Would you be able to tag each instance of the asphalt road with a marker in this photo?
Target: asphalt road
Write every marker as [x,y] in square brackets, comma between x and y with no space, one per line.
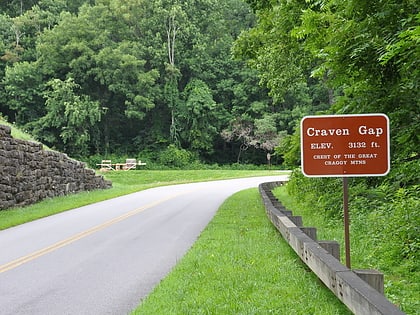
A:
[104,258]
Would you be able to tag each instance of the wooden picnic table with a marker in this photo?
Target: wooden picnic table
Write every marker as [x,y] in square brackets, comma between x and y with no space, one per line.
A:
[105,165]
[129,164]
[120,166]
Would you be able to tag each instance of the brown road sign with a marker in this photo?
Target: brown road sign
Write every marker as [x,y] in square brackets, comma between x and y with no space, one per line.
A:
[345,145]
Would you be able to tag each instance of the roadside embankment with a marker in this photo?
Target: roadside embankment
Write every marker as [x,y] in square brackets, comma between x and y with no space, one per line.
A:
[361,296]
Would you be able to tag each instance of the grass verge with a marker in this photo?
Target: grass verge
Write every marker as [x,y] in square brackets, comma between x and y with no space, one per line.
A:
[241,265]
[123,183]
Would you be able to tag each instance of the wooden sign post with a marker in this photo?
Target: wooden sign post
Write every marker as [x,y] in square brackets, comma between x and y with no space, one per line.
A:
[345,146]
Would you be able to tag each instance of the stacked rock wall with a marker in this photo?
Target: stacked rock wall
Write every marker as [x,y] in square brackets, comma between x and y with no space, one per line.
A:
[29,174]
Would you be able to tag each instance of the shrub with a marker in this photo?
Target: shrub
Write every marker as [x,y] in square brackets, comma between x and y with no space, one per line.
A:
[323,193]
[177,158]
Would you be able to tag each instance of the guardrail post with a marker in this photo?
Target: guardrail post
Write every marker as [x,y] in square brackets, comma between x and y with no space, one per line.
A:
[297,220]
[310,231]
[373,277]
[332,247]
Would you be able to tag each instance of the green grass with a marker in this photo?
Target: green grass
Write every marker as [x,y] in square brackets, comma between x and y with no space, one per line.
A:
[123,183]
[241,265]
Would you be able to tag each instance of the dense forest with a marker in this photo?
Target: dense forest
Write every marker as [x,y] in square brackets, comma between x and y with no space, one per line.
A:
[135,78]
[214,78]
[223,82]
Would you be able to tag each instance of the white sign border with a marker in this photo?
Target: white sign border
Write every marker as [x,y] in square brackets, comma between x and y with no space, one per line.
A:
[344,116]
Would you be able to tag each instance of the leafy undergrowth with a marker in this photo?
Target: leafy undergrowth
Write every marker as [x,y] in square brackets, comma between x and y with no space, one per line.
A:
[241,265]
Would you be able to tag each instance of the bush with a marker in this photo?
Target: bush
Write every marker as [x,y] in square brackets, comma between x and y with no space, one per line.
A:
[174,157]
[396,229]
[323,193]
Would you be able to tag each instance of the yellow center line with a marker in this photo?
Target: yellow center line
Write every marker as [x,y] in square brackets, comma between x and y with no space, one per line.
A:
[22,260]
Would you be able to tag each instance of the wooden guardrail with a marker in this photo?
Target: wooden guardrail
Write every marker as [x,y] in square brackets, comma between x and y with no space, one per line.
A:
[359,296]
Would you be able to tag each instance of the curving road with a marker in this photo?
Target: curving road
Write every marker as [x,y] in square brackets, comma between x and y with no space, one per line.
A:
[104,258]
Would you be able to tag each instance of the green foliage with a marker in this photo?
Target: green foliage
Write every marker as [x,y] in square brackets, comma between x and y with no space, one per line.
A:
[23,88]
[369,53]
[284,67]
[289,149]
[73,115]
[17,7]
[401,226]
[279,58]
[405,173]
[199,117]
[324,193]
[138,61]
[174,157]
[366,54]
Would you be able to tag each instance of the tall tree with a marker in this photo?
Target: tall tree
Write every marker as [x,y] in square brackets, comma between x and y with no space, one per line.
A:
[199,117]
[69,118]
[174,20]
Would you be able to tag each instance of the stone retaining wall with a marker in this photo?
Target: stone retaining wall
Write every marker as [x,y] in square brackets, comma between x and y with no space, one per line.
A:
[28,173]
